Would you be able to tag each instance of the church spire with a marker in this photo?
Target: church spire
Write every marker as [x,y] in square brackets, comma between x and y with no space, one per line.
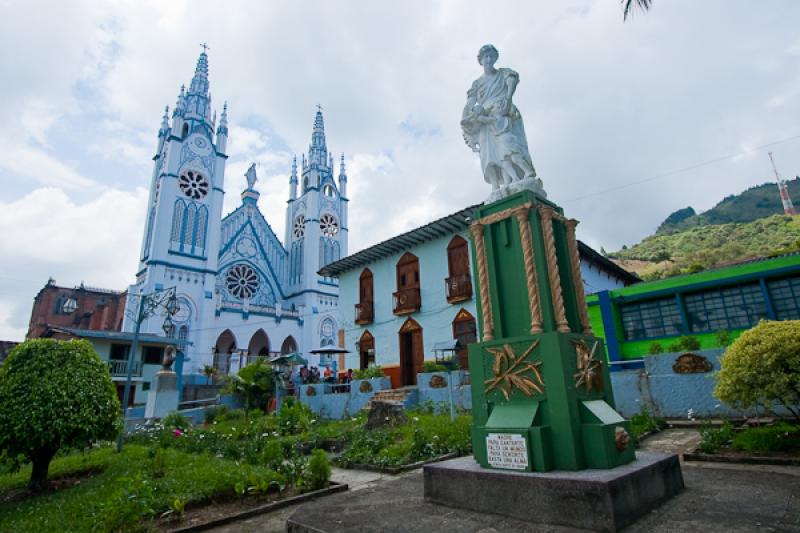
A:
[293,180]
[222,131]
[318,151]
[200,80]
[164,131]
[342,179]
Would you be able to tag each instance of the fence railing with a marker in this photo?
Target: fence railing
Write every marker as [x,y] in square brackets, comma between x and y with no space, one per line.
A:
[120,368]
[458,288]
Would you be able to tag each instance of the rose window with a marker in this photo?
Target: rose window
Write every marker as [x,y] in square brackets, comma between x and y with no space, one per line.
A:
[328,225]
[193,184]
[242,281]
[299,226]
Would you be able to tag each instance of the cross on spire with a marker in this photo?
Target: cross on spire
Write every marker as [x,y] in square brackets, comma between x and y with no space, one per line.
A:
[319,108]
[205,47]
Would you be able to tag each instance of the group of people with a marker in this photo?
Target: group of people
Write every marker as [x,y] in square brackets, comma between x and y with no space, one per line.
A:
[329,375]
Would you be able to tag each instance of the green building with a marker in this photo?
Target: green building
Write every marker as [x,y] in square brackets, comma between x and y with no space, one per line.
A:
[732,298]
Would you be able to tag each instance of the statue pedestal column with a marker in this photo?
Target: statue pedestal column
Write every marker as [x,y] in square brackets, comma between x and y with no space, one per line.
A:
[541,391]
[162,398]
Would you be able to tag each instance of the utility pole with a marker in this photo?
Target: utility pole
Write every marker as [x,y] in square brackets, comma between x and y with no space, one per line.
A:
[783,189]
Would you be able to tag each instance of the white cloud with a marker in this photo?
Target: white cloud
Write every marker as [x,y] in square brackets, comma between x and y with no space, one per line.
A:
[48,234]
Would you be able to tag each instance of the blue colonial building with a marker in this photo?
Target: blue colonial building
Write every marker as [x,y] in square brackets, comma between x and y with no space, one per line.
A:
[243,293]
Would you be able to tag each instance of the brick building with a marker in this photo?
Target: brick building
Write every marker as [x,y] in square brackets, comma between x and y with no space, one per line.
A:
[78,307]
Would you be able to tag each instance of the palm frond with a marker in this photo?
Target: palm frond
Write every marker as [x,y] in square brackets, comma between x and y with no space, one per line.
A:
[629,6]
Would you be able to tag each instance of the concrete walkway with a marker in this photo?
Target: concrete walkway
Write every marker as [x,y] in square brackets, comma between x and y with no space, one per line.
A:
[675,440]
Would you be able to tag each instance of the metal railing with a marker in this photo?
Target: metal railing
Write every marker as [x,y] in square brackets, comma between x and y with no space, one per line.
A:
[120,368]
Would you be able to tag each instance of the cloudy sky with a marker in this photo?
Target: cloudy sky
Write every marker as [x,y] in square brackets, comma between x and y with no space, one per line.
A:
[626,122]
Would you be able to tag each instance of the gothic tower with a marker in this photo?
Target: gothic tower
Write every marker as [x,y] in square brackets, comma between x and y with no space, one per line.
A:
[316,234]
[182,229]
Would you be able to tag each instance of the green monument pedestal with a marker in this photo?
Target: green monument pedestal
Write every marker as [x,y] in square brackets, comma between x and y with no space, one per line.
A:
[549,446]
[541,392]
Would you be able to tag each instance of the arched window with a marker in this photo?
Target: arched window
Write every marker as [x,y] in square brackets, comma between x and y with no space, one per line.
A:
[199,240]
[259,344]
[465,331]
[366,350]
[177,221]
[289,345]
[458,285]
[407,298]
[225,346]
[185,131]
[189,221]
[183,337]
[149,235]
[365,311]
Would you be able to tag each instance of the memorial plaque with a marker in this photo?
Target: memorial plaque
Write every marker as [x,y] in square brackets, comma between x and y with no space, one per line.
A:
[507,450]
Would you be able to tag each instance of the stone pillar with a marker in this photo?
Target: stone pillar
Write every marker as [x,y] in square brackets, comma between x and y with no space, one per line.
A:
[162,398]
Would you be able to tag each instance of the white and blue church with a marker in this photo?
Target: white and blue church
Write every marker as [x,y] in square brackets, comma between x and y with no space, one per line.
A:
[242,292]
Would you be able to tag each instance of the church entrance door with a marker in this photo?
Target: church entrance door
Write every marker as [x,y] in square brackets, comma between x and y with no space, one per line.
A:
[411,352]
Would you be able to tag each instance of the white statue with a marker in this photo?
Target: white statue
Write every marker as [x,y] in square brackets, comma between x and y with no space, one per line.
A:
[251,176]
[492,126]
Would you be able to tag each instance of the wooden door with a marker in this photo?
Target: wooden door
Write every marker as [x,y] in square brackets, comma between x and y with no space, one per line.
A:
[365,286]
[465,331]
[411,352]
[366,350]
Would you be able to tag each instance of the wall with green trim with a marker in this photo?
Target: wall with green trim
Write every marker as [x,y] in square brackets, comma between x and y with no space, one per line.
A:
[748,272]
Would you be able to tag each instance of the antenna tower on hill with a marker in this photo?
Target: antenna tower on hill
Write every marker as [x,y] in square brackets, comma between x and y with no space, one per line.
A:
[783,188]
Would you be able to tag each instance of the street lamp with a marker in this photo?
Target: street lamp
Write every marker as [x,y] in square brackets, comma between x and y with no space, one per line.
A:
[148,305]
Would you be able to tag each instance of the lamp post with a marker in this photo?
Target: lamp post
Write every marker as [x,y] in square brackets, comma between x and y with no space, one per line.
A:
[148,305]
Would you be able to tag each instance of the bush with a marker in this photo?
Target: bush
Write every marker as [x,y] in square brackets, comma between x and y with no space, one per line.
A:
[723,337]
[433,366]
[713,438]
[294,417]
[685,344]
[762,367]
[645,422]
[252,385]
[374,371]
[775,438]
[656,348]
[54,395]
[318,474]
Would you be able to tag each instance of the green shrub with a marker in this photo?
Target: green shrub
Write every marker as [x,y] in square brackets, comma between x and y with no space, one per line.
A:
[294,417]
[374,371]
[318,473]
[54,395]
[252,385]
[713,438]
[433,366]
[762,367]
[215,413]
[723,337]
[685,344]
[655,348]
[645,422]
[175,421]
[775,438]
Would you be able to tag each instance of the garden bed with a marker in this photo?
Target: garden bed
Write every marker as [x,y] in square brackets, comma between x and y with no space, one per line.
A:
[219,514]
[733,456]
[772,444]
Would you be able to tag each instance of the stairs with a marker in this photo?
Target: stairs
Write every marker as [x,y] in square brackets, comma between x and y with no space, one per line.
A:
[389,395]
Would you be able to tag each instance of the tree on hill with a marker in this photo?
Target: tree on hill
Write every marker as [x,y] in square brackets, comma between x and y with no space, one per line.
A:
[54,395]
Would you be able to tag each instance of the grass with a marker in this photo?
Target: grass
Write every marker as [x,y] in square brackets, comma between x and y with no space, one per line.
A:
[127,490]
[423,437]
[644,422]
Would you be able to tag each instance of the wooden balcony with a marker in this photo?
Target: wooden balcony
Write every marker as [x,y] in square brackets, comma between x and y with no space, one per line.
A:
[458,288]
[406,301]
[365,313]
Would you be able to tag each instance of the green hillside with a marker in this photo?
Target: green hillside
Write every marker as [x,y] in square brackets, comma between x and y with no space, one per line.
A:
[754,203]
[707,246]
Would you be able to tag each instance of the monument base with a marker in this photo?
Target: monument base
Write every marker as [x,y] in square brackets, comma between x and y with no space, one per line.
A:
[598,500]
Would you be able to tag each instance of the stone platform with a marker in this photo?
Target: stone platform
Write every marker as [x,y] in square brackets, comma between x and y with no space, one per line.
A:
[597,500]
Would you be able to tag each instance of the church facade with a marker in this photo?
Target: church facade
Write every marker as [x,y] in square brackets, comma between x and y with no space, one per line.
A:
[242,292]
